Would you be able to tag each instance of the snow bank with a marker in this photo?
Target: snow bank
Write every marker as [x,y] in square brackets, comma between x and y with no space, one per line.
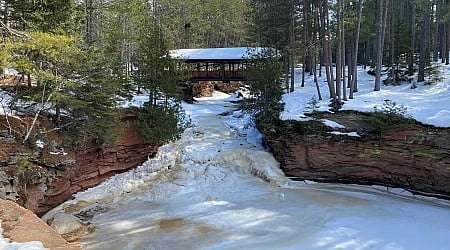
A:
[428,104]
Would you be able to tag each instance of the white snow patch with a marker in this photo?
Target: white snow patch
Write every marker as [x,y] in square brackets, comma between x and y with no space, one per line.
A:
[332,124]
[352,134]
[40,143]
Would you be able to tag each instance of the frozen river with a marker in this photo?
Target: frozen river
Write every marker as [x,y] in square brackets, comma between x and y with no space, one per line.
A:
[218,188]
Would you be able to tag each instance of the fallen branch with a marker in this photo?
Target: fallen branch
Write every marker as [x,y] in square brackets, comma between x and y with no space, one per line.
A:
[12,32]
[36,116]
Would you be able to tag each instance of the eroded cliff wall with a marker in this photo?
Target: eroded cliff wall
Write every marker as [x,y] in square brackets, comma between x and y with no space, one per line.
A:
[40,179]
[416,158]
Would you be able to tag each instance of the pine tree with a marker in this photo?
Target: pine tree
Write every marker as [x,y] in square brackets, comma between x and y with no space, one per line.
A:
[162,119]
[264,73]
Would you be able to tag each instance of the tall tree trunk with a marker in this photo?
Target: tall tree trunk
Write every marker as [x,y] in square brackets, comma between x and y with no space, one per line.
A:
[314,69]
[323,13]
[353,86]
[424,43]
[91,21]
[379,50]
[292,46]
[339,55]
[436,33]
[392,45]
[413,40]
[447,50]
[306,43]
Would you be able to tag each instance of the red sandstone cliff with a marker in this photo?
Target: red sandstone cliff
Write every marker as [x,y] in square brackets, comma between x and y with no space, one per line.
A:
[416,158]
[45,179]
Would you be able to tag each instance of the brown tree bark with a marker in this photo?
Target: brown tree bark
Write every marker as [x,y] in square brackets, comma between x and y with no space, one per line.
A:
[424,43]
[353,84]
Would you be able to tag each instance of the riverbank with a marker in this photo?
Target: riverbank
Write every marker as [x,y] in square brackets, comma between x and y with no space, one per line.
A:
[395,137]
[42,175]
[349,147]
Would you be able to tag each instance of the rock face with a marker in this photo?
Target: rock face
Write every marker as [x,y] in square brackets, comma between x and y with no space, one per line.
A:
[206,88]
[22,225]
[42,182]
[416,158]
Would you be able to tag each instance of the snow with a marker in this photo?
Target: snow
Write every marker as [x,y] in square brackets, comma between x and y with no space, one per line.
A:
[429,104]
[332,124]
[5,98]
[40,143]
[353,134]
[218,188]
[236,53]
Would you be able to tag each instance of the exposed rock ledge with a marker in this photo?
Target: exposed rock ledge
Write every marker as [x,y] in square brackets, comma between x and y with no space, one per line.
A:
[48,179]
[416,158]
[22,225]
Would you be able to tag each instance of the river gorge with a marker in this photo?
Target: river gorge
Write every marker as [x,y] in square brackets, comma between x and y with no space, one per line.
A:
[219,188]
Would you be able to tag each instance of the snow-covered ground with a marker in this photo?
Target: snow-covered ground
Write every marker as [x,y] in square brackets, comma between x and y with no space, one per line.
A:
[429,104]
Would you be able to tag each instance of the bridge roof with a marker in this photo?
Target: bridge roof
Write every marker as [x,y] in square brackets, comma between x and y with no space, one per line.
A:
[206,54]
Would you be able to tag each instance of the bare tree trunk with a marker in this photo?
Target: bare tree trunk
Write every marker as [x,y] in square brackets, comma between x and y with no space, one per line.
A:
[353,85]
[447,50]
[436,33]
[344,87]
[292,45]
[339,55]
[424,44]
[413,39]
[379,49]
[91,17]
[349,57]
[392,45]
[305,46]
[381,28]
[326,34]
[36,115]
[314,69]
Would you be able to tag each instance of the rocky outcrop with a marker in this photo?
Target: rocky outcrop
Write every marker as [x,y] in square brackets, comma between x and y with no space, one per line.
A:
[206,88]
[41,179]
[415,157]
[22,225]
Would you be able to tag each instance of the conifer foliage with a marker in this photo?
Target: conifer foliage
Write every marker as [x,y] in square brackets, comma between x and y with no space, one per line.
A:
[265,76]
[80,57]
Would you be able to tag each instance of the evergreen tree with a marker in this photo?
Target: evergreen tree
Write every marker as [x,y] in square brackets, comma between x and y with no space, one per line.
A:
[265,75]
[162,119]
[40,15]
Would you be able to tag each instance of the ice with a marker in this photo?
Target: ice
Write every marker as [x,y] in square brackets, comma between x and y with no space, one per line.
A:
[216,188]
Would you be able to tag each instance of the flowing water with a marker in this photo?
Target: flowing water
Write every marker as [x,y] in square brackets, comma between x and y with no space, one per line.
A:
[218,188]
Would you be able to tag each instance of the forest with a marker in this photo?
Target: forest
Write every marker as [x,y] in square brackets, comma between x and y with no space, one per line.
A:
[81,57]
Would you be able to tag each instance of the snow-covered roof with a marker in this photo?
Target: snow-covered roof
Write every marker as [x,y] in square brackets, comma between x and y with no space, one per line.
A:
[236,53]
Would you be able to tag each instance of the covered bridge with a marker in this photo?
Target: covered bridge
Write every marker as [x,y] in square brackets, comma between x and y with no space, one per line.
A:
[214,64]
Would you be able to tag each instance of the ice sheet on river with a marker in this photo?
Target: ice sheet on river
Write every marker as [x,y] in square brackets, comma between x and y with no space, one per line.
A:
[217,188]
